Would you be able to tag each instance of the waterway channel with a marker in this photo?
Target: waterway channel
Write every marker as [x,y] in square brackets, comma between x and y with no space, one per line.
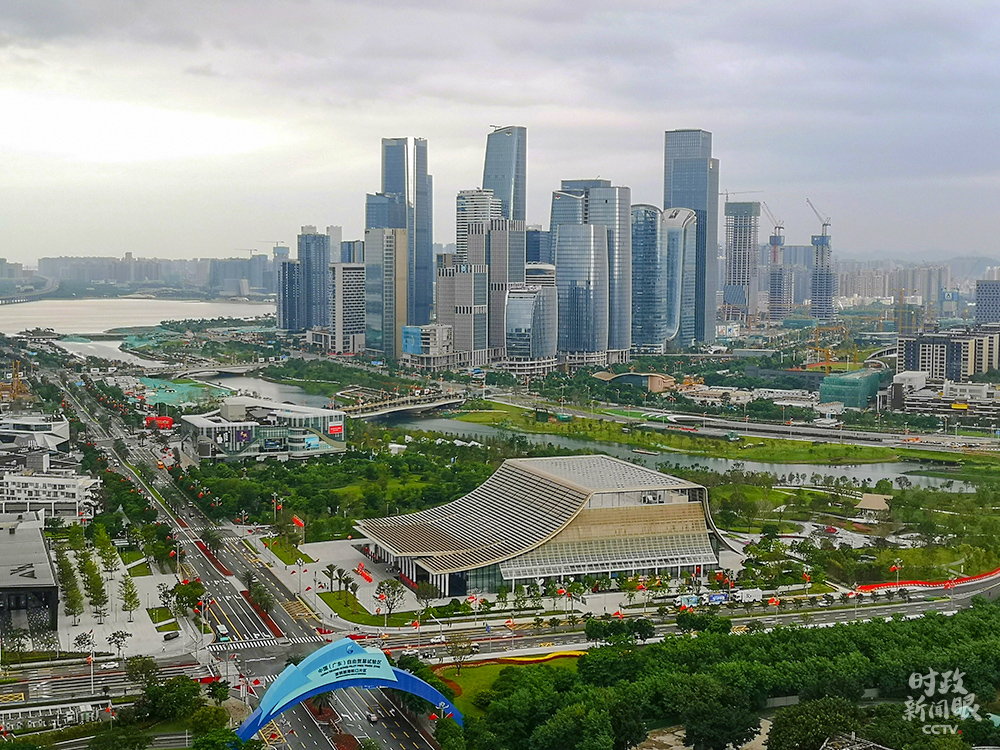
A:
[469,431]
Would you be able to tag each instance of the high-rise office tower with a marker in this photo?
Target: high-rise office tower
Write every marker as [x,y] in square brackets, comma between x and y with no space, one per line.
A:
[824,279]
[314,255]
[386,287]
[406,204]
[421,294]
[598,203]
[779,279]
[582,282]
[532,335]
[352,251]
[664,246]
[739,295]
[347,307]
[472,207]
[463,304]
[505,169]
[291,307]
[500,245]
[691,180]
[536,245]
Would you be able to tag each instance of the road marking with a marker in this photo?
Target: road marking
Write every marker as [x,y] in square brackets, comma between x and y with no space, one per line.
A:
[11,697]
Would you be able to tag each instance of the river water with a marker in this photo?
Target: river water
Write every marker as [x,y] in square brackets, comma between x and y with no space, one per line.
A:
[83,316]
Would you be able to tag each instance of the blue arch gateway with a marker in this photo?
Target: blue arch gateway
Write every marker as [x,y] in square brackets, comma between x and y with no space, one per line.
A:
[342,664]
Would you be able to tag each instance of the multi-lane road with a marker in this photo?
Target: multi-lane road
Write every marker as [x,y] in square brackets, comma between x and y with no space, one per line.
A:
[253,654]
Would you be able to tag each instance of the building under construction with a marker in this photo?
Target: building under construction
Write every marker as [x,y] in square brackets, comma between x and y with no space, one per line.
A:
[824,279]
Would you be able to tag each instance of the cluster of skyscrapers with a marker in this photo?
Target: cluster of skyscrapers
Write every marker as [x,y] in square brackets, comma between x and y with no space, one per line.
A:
[606,279]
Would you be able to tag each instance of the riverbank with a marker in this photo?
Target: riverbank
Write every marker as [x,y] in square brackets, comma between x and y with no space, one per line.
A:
[764,450]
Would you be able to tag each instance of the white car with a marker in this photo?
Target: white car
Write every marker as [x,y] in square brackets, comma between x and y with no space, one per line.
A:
[439,639]
[109,665]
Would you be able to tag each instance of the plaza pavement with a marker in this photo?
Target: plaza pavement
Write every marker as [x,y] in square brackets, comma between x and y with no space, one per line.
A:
[145,640]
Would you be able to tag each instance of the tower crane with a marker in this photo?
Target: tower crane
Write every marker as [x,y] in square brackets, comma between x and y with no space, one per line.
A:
[779,225]
[825,222]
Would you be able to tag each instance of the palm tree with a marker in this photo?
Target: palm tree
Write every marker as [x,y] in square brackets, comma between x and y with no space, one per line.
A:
[348,580]
[341,573]
[212,538]
[331,573]
[354,592]
[323,702]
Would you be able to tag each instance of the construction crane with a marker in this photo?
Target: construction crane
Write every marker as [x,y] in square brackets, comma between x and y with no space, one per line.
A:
[825,222]
[250,250]
[17,388]
[825,350]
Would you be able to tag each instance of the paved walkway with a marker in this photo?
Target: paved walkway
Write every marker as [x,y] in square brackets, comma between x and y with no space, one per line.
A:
[145,640]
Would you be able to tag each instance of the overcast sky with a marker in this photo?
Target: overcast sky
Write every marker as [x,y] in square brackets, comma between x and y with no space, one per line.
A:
[208,127]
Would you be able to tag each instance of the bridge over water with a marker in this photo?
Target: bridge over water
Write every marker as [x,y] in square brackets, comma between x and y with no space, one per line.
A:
[13,299]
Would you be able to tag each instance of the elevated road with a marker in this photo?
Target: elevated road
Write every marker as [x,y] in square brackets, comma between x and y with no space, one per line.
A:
[51,285]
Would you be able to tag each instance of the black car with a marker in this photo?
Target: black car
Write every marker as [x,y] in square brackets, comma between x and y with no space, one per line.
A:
[170,635]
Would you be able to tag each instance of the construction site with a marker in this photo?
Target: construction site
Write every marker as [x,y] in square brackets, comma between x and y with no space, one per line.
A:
[13,388]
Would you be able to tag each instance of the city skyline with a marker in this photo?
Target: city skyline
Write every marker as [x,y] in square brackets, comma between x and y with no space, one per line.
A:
[224,130]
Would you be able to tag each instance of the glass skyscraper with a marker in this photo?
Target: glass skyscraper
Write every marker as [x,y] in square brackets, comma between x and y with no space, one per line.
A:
[385,291]
[739,294]
[289,285]
[405,205]
[505,169]
[314,255]
[532,323]
[598,203]
[582,282]
[421,293]
[691,180]
[663,248]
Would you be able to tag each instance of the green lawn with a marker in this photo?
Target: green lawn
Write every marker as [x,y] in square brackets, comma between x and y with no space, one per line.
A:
[768,450]
[475,679]
[140,570]
[167,626]
[159,614]
[287,553]
[345,610]
[130,555]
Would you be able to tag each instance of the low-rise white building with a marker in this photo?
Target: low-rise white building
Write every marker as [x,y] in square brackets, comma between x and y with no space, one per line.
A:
[59,493]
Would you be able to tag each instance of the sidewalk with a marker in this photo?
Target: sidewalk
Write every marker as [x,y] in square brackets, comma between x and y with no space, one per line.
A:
[145,639]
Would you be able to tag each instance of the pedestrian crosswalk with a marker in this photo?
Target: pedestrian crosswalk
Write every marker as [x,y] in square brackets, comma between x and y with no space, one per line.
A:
[257,642]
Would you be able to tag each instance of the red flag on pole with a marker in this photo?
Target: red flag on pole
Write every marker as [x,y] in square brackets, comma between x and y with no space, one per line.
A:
[894,568]
[509,623]
[619,615]
[308,588]
[416,623]
[433,717]
[298,522]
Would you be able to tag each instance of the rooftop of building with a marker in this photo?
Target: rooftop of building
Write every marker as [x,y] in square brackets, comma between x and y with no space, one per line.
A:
[24,560]
[255,409]
[522,505]
[862,374]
